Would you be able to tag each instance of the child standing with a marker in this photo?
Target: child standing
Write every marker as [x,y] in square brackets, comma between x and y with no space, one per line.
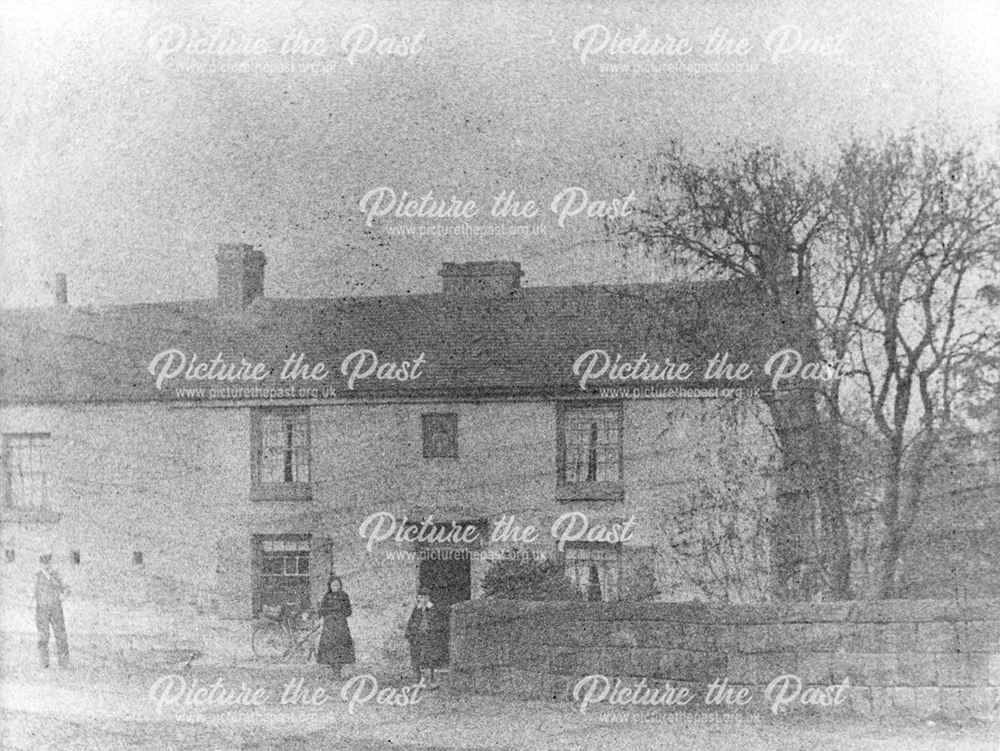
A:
[427,634]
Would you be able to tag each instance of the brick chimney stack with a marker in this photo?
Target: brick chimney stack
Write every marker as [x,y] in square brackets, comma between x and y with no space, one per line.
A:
[481,278]
[241,275]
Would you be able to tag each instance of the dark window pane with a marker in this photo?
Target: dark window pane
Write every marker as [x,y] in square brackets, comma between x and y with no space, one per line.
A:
[591,444]
[282,566]
[440,435]
[284,449]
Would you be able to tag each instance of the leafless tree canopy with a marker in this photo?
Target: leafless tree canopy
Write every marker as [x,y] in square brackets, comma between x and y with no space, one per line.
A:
[889,249]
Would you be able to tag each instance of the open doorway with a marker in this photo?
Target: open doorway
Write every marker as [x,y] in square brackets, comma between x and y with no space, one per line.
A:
[447,577]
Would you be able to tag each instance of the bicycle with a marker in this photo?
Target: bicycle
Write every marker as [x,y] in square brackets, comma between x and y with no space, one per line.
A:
[285,631]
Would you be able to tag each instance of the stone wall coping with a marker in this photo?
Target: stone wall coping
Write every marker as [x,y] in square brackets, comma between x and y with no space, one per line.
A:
[854,611]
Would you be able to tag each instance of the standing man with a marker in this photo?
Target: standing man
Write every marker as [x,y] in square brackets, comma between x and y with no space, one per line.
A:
[49,591]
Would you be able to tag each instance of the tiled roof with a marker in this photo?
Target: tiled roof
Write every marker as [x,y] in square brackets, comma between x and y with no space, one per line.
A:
[520,343]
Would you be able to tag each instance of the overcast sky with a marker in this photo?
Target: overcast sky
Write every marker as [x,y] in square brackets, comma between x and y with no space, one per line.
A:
[129,153]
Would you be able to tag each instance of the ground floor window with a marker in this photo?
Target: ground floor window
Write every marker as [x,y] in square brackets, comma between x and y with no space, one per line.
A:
[25,460]
[596,569]
[281,570]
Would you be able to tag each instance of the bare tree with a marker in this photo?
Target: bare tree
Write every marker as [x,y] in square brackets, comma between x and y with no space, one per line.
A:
[760,215]
[920,223]
[718,534]
[878,257]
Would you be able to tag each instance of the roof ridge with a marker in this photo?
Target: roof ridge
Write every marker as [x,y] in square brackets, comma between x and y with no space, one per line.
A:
[210,302]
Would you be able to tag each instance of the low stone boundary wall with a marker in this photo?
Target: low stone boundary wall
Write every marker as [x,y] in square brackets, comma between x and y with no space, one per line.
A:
[913,657]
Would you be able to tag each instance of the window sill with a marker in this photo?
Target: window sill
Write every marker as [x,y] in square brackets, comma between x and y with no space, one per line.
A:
[591,491]
[29,515]
[293,491]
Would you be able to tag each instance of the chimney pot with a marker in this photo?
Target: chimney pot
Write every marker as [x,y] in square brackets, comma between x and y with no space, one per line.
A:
[241,274]
[61,296]
[481,278]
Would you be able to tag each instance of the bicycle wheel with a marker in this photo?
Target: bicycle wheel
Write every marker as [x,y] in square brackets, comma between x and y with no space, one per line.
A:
[268,640]
[306,638]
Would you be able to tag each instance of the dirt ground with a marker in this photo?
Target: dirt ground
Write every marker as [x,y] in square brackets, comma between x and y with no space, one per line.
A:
[117,704]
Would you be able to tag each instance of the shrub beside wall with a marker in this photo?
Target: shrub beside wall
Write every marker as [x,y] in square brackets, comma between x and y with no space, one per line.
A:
[528,579]
[913,657]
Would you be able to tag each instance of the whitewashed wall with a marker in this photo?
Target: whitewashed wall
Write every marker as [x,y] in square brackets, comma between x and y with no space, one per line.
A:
[173,482]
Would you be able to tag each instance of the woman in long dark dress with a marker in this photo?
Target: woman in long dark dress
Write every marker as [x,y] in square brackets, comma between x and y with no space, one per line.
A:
[336,646]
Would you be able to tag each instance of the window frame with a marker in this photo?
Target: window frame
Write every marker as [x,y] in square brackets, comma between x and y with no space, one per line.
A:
[612,584]
[426,419]
[277,491]
[589,490]
[8,490]
[258,576]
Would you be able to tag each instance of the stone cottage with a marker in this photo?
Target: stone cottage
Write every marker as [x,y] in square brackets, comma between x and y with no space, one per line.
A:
[190,461]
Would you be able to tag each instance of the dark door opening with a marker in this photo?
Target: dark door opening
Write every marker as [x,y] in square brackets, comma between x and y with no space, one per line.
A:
[447,578]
